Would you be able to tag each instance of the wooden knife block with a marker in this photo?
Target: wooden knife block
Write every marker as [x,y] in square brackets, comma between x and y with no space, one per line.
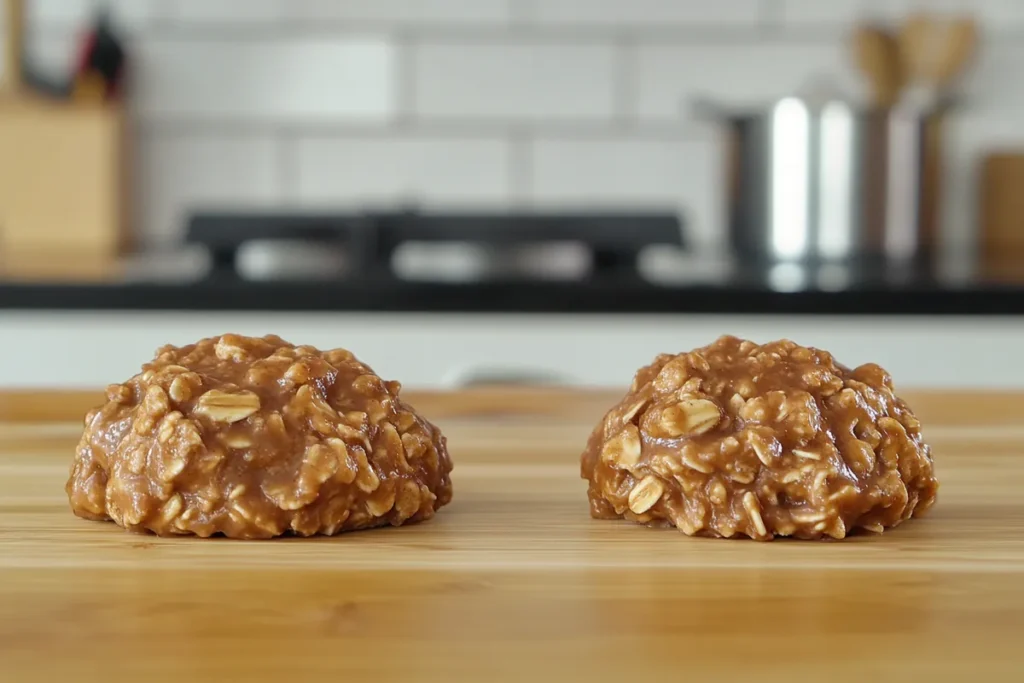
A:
[1001,213]
[63,180]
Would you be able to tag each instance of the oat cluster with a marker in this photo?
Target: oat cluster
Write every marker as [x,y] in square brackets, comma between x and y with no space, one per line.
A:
[253,438]
[741,439]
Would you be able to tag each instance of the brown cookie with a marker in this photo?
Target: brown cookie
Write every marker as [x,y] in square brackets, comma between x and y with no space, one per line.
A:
[254,438]
[738,438]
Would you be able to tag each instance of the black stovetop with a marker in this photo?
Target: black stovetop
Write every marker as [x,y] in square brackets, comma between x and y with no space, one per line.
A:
[614,283]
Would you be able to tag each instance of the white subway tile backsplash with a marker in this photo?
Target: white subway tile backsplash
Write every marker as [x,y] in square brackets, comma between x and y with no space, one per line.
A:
[647,12]
[993,80]
[315,12]
[996,15]
[180,172]
[513,81]
[404,12]
[77,14]
[665,172]
[287,80]
[430,170]
[818,13]
[461,101]
[50,53]
[993,15]
[240,12]
[735,74]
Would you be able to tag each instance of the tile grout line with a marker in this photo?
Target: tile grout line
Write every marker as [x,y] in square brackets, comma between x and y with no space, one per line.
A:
[520,160]
[455,128]
[771,17]
[404,74]
[521,12]
[287,165]
[624,84]
[517,28]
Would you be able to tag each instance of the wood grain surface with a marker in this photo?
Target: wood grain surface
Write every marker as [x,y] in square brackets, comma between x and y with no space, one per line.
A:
[513,581]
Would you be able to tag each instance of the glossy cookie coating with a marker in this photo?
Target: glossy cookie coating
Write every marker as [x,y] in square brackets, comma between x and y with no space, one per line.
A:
[742,439]
[254,438]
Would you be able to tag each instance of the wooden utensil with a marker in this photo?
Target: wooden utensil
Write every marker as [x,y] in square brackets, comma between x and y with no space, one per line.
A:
[934,52]
[14,45]
[962,42]
[877,56]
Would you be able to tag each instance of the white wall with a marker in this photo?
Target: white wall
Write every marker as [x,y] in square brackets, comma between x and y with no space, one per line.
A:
[305,103]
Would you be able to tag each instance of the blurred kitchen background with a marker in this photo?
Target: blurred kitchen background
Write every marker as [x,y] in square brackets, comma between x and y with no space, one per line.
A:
[515,190]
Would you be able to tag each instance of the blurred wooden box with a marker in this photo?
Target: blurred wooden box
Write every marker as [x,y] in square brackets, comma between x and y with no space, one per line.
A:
[1001,204]
[63,179]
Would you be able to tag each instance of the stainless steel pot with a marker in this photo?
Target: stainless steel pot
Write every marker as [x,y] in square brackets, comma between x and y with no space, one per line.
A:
[831,182]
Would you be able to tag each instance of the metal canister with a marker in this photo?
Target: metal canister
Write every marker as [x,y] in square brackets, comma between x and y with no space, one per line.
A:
[831,182]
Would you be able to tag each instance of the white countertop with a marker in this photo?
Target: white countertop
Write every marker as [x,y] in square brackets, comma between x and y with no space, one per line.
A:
[91,349]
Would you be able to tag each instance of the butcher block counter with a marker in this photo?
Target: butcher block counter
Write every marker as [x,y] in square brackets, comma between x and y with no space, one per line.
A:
[513,581]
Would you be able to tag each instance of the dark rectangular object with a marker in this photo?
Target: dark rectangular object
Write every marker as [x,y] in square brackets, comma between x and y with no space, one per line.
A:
[626,231]
[228,230]
[223,233]
[614,238]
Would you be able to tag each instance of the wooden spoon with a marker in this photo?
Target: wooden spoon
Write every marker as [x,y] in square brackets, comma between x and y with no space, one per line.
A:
[934,53]
[961,43]
[877,54]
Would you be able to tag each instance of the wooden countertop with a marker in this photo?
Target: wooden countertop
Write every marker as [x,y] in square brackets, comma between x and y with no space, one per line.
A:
[513,581]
